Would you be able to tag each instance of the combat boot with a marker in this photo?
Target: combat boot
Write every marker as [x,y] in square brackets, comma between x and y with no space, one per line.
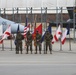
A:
[40,52]
[26,52]
[31,52]
[36,52]
[17,52]
[44,52]
[21,52]
[50,52]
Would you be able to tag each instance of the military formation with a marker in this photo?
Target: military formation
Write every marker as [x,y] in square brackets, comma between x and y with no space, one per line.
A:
[37,42]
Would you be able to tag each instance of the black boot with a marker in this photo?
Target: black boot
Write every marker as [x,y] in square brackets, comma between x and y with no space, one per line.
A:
[31,52]
[36,52]
[50,52]
[40,52]
[17,52]
[21,52]
[27,52]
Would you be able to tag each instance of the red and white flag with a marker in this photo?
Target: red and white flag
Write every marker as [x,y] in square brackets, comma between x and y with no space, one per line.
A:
[57,35]
[64,36]
[6,34]
[26,29]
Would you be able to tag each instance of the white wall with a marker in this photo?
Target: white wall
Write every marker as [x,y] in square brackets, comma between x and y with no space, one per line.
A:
[36,3]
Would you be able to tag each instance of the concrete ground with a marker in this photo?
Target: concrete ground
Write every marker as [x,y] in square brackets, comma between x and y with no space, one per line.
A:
[62,61]
[61,54]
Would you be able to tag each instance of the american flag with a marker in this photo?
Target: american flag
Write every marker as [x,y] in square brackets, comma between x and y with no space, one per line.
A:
[26,29]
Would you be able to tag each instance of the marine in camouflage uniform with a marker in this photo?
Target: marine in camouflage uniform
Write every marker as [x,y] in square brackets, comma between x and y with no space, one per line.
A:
[48,39]
[29,41]
[38,42]
[19,38]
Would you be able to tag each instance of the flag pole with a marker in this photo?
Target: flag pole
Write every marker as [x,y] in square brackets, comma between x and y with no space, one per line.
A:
[60,39]
[26,23]
[3,41]
[69,35]
[34,29]
[35,21]
[61,27]
[69,39]
[69,43]
[11,41]
[3,46]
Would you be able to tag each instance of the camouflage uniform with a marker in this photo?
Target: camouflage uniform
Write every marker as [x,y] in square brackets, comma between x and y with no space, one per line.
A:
[48,38]
[19,38]
[38,42]
[29,41]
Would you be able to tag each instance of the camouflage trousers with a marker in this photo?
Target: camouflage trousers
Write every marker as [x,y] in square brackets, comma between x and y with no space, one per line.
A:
[29,46]
[48,46]
[18,48]
[38,47]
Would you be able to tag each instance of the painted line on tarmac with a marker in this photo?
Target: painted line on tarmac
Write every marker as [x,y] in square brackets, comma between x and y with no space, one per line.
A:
[37,62]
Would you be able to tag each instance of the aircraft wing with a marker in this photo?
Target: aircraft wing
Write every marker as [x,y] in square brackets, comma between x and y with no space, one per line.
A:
[14,26]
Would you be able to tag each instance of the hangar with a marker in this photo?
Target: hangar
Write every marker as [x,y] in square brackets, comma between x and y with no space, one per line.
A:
[44,11]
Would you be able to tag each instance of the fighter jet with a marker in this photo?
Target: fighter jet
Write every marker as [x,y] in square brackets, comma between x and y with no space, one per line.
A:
[14,26]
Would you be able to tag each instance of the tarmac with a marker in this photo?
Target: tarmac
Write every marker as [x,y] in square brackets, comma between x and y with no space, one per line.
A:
[61,54]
